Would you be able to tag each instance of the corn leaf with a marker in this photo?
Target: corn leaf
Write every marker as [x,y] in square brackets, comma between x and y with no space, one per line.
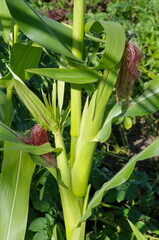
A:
[115,42]
[38,150]
[147,103]
[44,31]
[122,176]
[5,19]
[7,134]
[38,110]
[78,76]
[137,233]
[15,179]
[22,57]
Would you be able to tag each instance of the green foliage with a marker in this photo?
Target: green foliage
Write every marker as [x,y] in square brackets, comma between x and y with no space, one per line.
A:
[92,118]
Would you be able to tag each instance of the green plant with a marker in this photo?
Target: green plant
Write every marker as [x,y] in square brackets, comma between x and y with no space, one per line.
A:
[91,120]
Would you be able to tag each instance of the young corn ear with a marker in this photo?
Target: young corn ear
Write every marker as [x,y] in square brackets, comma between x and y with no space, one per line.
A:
[37,137]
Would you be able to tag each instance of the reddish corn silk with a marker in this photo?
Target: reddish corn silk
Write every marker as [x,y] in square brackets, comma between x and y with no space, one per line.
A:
[37,137]
[128,71]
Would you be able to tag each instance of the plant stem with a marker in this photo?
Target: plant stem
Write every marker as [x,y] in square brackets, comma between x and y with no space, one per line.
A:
[77,50]
[15,33]
[72,206]
[62,160]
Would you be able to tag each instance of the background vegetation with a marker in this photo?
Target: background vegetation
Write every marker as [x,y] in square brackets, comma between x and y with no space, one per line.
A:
[138,198]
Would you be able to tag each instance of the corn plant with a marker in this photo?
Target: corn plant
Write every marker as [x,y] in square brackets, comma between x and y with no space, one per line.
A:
[92,116]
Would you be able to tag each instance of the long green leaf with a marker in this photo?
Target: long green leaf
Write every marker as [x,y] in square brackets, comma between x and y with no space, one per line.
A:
[44,31]
[138,234]
[7,134]
[121,177]
[37,150]
[115,42]
[78,76]
[147,103]
[15,179]
[5,19]
[38,110]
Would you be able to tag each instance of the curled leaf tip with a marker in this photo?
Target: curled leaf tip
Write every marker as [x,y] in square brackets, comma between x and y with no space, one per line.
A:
[128,71]
[37,137]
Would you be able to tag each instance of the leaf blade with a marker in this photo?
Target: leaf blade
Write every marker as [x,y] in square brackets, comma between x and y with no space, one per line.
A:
[137,233]
[44,31]
[151,151]
[77,76]
[14,197]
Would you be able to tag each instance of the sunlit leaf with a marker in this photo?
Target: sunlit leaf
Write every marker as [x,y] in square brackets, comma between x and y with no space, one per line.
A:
[5,19]
[38,110]
[44,31]
[137,233]
[115,41]
[17,171]
[147,103]
[122,176]
[78,76]
[38,150]
[7,134]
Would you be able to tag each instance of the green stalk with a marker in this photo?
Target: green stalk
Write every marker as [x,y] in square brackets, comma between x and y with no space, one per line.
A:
[72,206]
[62,160]
[91,124]
[15,35]
[77,50]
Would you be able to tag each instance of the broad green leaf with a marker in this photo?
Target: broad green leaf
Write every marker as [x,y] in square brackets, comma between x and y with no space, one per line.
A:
[122,176]
[37,150]
[38,110]
[147,103]
[77,76]
[5,19]
[115,41]
[15,179]
[7,134]
[137,233]
[44,31]
[23,57]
